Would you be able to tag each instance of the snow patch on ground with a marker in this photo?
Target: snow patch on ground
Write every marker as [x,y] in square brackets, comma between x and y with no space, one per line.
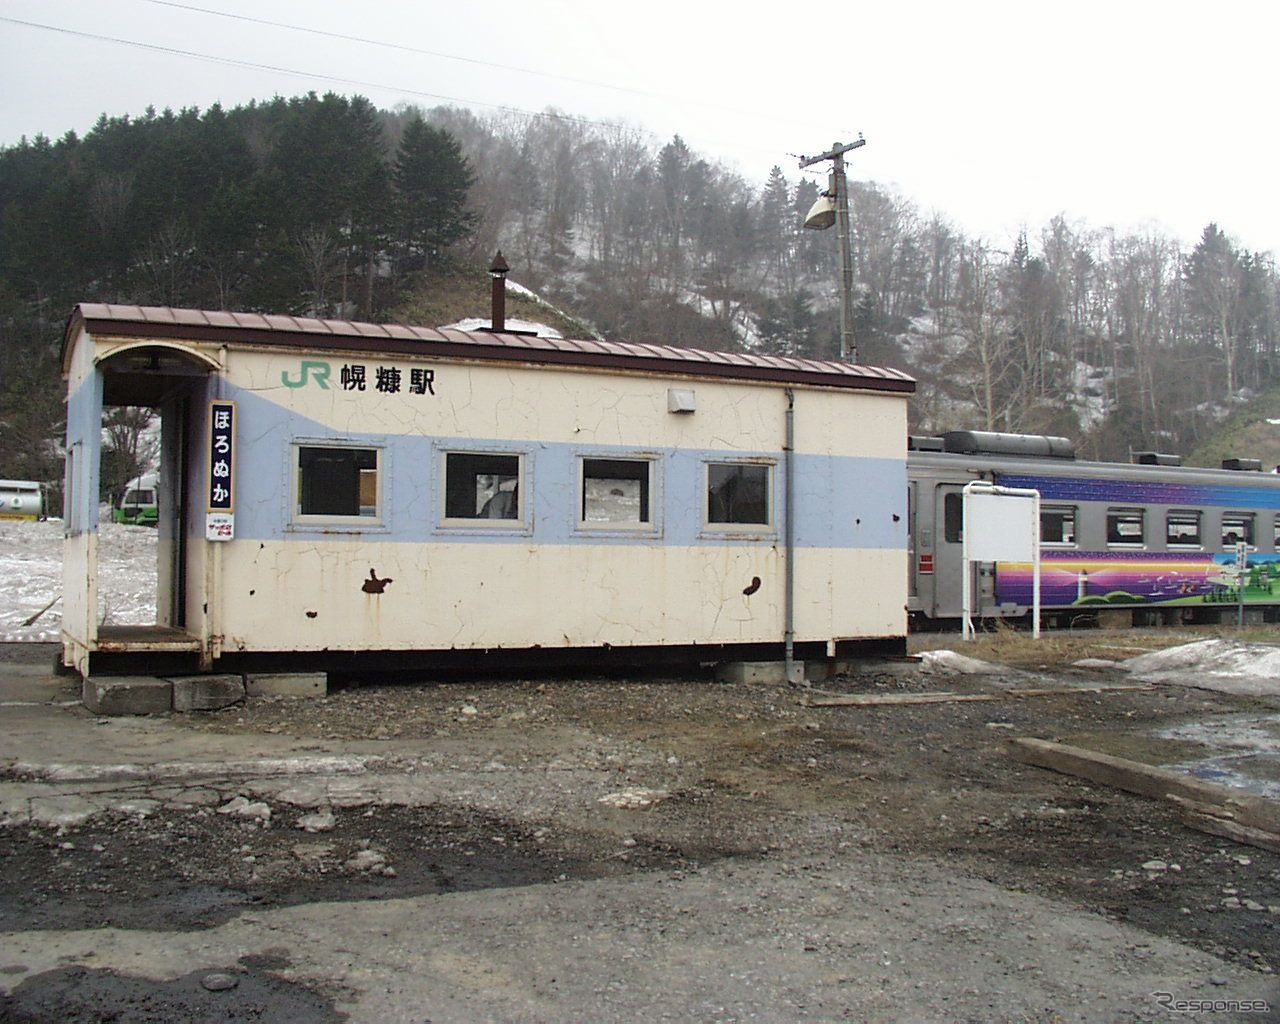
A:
[1229,666]
[955,664]
[31,577]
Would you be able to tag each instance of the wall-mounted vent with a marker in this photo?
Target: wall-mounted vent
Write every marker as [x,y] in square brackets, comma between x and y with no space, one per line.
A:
[1245,465]
[1155,459]
[989,442]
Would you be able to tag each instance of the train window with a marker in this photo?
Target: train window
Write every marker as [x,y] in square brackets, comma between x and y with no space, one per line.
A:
[953,517]
[336,481]
[1237,527]
[1182,529]
[480,485]
[1125,527]
[1057,524]
[738,494]
[615,492]
[1275,534]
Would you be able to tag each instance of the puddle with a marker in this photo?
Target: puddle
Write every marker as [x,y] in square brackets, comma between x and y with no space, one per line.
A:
[70,995]
[1242,751]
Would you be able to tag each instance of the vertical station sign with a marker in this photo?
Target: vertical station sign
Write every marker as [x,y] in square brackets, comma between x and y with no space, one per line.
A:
[220,514]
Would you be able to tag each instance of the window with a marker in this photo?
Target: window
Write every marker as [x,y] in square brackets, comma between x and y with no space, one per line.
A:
[337,482]
[1182,529]
[1275,534]
[1237,527]
[1125,527]
[738,494]
[1057,524]
[953,517]
[615,492]
[481,486]
[139,497]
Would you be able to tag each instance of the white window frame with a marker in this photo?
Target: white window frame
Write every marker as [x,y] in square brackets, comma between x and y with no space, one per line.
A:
[523,521]
[651,527]
[766,529]
[298,520]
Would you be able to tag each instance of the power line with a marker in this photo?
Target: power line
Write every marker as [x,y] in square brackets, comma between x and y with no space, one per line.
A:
[276,69]
[682,101]
[343,80]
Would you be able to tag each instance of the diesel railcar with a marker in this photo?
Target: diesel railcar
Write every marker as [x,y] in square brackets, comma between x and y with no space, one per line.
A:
[1148,543]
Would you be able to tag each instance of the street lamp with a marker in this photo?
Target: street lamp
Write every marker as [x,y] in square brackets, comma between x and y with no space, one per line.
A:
[832,207]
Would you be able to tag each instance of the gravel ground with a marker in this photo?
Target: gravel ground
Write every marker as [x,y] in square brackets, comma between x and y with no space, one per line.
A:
[591,847]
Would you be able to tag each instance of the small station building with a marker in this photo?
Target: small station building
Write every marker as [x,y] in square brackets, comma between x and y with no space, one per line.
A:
[339,495]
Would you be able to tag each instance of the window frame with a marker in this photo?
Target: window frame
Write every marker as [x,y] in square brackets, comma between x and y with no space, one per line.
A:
[1060,508]
[1131,511]
[299,520]
[522,523]
[1248,520]
[1184,513]
[722,529]
[651,495]
[953,517]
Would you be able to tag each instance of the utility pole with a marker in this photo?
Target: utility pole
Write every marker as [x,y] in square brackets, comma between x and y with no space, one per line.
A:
[838,191]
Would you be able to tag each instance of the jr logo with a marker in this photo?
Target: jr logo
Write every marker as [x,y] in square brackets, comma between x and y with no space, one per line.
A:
[311,369]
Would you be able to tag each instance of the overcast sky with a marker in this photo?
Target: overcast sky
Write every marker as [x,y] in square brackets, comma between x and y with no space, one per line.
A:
[1126,113]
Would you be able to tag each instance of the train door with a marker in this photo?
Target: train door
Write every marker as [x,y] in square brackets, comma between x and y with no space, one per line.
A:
[948,559]
[948,555]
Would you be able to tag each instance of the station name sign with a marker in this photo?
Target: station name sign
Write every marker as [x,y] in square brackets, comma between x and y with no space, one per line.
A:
[220,515]
[386,380]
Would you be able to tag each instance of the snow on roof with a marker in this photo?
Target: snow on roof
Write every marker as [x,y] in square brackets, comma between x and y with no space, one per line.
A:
[473,323]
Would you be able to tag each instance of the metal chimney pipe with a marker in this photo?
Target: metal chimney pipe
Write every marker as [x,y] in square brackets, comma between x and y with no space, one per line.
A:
[498,271]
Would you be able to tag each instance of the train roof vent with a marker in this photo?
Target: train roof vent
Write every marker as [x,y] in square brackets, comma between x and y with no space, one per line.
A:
[920,443]
[1156,459]
[1248,465]
[990,442]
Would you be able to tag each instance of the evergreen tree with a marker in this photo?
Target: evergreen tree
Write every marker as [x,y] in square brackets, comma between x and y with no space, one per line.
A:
[432,182]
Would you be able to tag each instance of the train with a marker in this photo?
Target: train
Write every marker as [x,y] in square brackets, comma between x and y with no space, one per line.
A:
[1150,542]
[139,505]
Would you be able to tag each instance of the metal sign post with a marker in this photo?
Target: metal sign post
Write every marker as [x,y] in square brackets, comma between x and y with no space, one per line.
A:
[1001,524]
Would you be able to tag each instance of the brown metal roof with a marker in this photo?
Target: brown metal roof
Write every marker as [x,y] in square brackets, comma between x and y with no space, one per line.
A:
[303,332]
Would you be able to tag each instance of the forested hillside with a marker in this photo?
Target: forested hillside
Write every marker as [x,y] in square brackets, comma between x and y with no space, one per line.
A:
[327,206]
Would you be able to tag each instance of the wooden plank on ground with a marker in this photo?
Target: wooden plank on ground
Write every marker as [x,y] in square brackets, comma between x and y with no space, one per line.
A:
[1147,780]
[866,700]
[1233,830]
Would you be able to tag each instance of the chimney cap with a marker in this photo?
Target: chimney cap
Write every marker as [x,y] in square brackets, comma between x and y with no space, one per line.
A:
[498,268]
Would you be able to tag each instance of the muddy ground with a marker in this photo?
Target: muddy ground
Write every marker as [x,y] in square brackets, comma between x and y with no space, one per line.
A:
[700,773]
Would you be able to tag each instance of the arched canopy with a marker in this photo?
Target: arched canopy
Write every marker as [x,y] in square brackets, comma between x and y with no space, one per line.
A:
[144,372]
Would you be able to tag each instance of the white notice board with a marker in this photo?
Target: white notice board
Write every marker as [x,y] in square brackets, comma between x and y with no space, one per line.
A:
[1000,527]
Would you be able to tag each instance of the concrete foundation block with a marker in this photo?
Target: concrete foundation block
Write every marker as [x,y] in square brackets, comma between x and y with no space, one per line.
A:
[127,695]
[287,684]
[769,673]
[206,693]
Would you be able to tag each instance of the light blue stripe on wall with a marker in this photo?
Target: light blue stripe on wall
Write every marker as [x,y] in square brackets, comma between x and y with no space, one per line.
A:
[840,502]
